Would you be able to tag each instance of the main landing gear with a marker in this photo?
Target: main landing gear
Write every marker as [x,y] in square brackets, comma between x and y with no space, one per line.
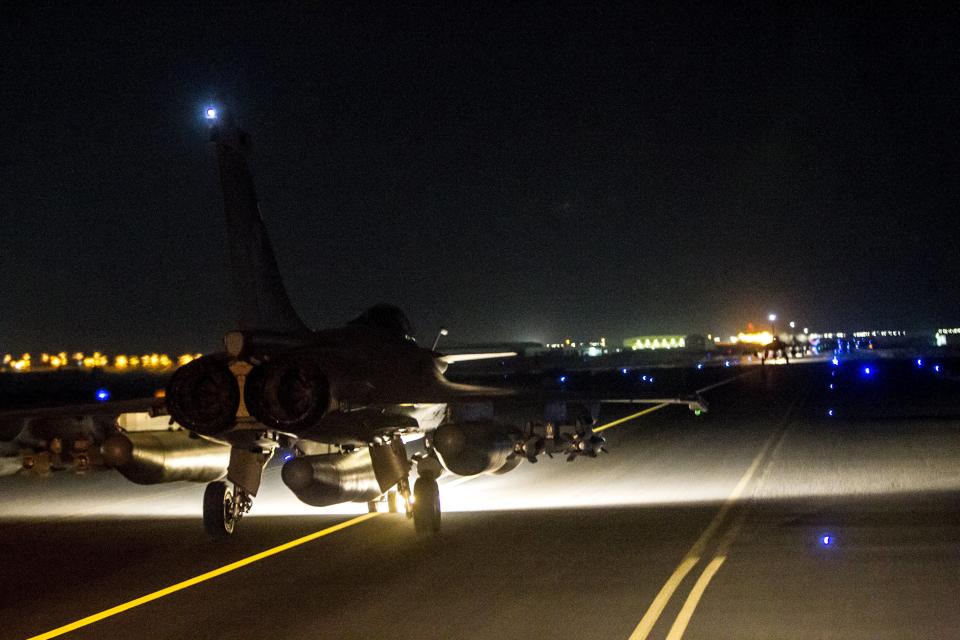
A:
[223,505]
[422,503]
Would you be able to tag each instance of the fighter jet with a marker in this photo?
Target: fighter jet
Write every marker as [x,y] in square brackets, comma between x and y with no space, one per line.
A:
[345,401]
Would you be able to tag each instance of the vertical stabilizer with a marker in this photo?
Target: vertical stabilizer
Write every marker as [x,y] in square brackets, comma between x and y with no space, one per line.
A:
[262,303]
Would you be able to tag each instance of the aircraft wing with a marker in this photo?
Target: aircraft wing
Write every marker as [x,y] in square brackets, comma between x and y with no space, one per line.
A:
[456,393]
[450,358]
[111,408]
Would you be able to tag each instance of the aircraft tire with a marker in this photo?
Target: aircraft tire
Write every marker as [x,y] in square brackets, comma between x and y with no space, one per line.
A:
[426,507]
[218,510]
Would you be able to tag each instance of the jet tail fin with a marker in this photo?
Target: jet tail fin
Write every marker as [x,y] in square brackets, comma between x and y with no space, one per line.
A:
[262,303]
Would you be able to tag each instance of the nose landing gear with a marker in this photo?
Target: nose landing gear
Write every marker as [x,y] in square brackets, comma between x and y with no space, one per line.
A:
[426,497]
[426,507]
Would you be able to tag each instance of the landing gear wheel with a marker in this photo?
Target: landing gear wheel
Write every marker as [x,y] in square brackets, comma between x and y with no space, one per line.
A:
[426,507]
[221,510]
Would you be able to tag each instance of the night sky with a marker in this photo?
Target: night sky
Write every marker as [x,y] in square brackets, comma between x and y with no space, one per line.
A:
[511,171]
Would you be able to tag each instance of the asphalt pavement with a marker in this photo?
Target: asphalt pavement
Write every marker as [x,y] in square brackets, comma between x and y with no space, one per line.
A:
[790,510]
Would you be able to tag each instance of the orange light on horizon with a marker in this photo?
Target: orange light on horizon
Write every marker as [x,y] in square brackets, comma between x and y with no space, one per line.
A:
[761,337]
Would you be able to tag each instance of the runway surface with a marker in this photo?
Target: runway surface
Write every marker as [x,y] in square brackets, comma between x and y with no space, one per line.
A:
[766,518]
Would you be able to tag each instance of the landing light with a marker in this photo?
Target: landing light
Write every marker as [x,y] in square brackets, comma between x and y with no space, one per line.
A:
[103,395]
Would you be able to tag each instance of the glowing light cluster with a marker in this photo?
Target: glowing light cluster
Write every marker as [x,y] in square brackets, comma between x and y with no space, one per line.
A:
[884,333]
[79,359]
[761,338]
[656,342]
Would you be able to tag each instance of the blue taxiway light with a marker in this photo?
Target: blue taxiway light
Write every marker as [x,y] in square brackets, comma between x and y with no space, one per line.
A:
[827,540]
[866,371]
[830,412]
[835,361]
[651,378]
[210,113]
[624,371]
[726,363]
[644,378]
[832,385]
[288,457]
[699,365]
[563,378]
[919,362]
[103,395]
[936,368]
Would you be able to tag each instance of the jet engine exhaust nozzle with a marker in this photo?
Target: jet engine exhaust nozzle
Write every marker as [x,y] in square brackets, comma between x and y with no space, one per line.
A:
[203,396]
[289,394]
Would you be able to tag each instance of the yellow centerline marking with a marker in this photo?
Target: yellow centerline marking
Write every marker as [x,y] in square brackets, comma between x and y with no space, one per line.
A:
[692,556]
[700,586]
[683,618]
[186,584]
[690,605]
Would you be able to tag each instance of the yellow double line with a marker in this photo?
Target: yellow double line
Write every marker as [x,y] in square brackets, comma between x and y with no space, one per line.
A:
[693,556]
[691,559]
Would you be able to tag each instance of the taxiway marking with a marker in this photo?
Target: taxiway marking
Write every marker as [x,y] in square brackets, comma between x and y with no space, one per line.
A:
[720,555]
[692,556]
[186,584]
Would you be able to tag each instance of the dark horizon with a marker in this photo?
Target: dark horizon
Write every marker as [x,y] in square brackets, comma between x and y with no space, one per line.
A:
[513,173]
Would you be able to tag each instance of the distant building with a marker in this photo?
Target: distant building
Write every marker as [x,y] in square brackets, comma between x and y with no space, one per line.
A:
[585,348]
[638,343]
